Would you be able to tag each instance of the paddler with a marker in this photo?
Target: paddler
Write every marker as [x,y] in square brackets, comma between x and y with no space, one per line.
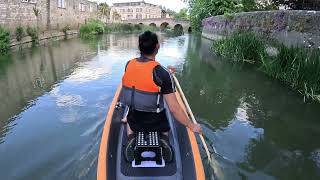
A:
[145,86]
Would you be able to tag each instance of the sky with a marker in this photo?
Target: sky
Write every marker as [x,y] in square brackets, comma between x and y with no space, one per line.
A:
[175,5]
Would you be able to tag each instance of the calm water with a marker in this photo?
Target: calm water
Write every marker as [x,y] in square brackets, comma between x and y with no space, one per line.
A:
[54,100]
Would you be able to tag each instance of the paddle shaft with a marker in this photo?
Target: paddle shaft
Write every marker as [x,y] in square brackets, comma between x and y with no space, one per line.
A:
[189,111]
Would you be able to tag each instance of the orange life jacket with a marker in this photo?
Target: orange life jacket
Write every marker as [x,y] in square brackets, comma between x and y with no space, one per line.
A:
[140,75]
[138,88]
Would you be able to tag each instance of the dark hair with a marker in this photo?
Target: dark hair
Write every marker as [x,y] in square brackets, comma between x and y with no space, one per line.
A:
[148,42]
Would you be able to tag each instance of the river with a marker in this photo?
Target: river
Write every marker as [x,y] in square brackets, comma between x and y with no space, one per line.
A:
[54,99]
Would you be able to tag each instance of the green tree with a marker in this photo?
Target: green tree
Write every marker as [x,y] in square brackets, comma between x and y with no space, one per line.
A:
[182,14]
[201,9]
[104,9]
[249,5]
[298,4]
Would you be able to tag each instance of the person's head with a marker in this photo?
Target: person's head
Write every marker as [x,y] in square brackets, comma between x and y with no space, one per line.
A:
[148,43]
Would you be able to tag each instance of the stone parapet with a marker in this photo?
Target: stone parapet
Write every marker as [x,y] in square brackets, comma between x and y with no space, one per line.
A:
[288,26]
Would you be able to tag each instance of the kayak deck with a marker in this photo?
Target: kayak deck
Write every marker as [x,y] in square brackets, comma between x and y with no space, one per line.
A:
[184,166]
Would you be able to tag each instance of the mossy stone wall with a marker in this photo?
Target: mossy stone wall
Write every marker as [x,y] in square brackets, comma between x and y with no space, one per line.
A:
[287,26]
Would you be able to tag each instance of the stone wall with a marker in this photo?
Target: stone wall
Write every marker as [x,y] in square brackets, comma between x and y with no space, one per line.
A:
[287,26]
[72,15]
[16,12]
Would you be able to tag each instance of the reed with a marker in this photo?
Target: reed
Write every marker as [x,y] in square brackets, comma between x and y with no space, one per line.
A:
[297,67]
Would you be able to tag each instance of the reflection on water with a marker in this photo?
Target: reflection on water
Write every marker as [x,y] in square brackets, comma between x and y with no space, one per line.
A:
[26,75]
[259,128]
[54,101]
[54,104]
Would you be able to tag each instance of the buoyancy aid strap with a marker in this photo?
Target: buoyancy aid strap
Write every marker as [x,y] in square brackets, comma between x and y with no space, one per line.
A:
[158,101]
[132,97]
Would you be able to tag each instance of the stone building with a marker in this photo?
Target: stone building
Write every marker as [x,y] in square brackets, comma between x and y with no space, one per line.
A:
[53,14]
[136,10]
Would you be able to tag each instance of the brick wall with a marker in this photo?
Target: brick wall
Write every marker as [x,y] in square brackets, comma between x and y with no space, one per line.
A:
[15,12]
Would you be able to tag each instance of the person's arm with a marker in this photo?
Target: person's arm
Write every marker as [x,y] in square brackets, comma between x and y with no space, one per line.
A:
[179,114]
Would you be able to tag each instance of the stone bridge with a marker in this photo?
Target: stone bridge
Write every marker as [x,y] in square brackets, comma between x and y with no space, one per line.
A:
[162,23]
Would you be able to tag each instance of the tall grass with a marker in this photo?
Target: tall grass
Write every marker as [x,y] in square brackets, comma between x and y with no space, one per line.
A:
[295,66]
[240,47]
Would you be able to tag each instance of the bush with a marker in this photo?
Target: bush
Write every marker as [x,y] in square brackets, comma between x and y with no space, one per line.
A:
[99,29]
[33,33]
[91,28]
[19,33]
[4,40]
[65,31]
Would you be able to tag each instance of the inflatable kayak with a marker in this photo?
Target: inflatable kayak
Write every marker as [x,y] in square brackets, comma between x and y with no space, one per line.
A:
[186,163]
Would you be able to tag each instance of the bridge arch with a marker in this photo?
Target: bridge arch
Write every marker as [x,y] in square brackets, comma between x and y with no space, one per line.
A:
[178,27]
[189,29]
[164,25]
[153,24]
[160,22]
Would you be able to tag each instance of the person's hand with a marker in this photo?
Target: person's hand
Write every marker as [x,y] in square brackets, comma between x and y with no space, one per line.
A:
[171,69]
[196,128]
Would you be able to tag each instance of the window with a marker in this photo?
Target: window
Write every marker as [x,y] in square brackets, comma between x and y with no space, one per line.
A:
[82,7]
[61,4]
[29,1]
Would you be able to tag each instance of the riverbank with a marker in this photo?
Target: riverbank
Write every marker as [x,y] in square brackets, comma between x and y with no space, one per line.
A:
[297,67]
[94,27]
[44,36]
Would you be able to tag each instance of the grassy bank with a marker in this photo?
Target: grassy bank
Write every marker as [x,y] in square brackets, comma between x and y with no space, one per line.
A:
[128,28]
[94,27]
[295,66]
[97,27]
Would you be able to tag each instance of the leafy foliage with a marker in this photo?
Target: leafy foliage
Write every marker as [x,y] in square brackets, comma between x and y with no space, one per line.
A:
[33,33]
[65,31]
[298,4]
[201,9]
[104,9]
[91,28]
[182,14]
[249,5]
[19,33]
[4,40]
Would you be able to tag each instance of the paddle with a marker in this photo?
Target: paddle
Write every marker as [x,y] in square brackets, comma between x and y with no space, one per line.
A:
[189,112]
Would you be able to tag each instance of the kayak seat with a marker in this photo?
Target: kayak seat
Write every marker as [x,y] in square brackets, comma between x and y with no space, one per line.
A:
[148,148]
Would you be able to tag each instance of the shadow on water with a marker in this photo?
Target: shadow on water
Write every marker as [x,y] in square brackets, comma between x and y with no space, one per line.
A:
[259,128]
